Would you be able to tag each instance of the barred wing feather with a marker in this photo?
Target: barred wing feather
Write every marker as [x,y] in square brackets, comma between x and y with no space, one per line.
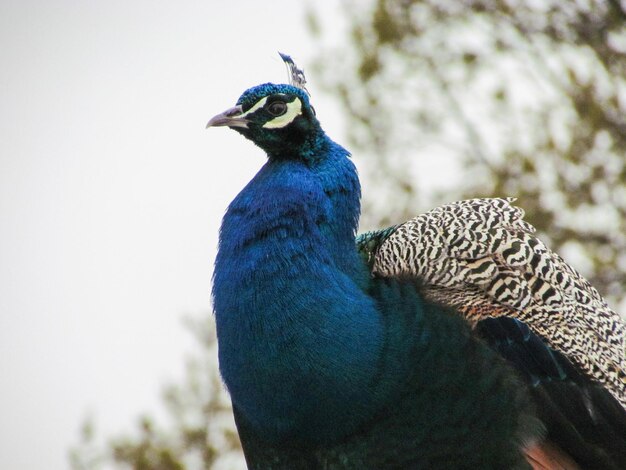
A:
[480,257]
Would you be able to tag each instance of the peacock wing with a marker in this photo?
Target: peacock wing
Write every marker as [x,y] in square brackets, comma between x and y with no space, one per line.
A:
[480,257]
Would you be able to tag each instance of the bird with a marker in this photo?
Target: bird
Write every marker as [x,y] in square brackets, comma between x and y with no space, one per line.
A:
[456,340]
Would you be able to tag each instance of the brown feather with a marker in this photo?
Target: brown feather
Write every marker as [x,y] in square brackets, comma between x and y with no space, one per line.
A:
[547,456]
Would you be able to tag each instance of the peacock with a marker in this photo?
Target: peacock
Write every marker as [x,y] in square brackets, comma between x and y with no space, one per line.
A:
[456,340]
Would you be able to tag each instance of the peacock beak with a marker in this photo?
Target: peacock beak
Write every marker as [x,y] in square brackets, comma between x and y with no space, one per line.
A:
[231,118]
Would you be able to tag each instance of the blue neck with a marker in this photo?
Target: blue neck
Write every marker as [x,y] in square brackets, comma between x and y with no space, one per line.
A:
[300,343]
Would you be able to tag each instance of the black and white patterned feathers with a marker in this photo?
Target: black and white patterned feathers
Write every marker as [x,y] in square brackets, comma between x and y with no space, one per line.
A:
[480,257]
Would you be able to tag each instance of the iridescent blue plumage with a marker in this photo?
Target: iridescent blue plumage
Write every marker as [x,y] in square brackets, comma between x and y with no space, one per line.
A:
[311,347]
[331,367]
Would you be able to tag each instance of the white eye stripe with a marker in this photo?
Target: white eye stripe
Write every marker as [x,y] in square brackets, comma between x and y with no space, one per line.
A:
[294,109]
[259,104]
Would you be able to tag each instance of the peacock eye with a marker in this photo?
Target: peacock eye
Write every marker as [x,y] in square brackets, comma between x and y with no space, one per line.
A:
[277,108]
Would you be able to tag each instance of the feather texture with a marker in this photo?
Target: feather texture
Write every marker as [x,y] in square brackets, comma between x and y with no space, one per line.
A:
[482,258]
[325,365]
[581,416]
[455,340]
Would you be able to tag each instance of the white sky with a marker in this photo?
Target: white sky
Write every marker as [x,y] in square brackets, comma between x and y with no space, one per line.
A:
[111,195]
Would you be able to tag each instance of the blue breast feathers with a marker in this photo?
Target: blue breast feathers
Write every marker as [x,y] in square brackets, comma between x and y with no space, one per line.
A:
[312,337]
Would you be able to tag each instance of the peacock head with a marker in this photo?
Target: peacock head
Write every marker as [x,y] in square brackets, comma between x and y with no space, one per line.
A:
[277,118]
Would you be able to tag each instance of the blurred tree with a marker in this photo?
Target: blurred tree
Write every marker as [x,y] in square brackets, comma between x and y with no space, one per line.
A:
[201,434]
[449,99]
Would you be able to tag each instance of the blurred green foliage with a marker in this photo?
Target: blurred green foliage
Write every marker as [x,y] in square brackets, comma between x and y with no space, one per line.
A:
[200,434]
[449,99]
